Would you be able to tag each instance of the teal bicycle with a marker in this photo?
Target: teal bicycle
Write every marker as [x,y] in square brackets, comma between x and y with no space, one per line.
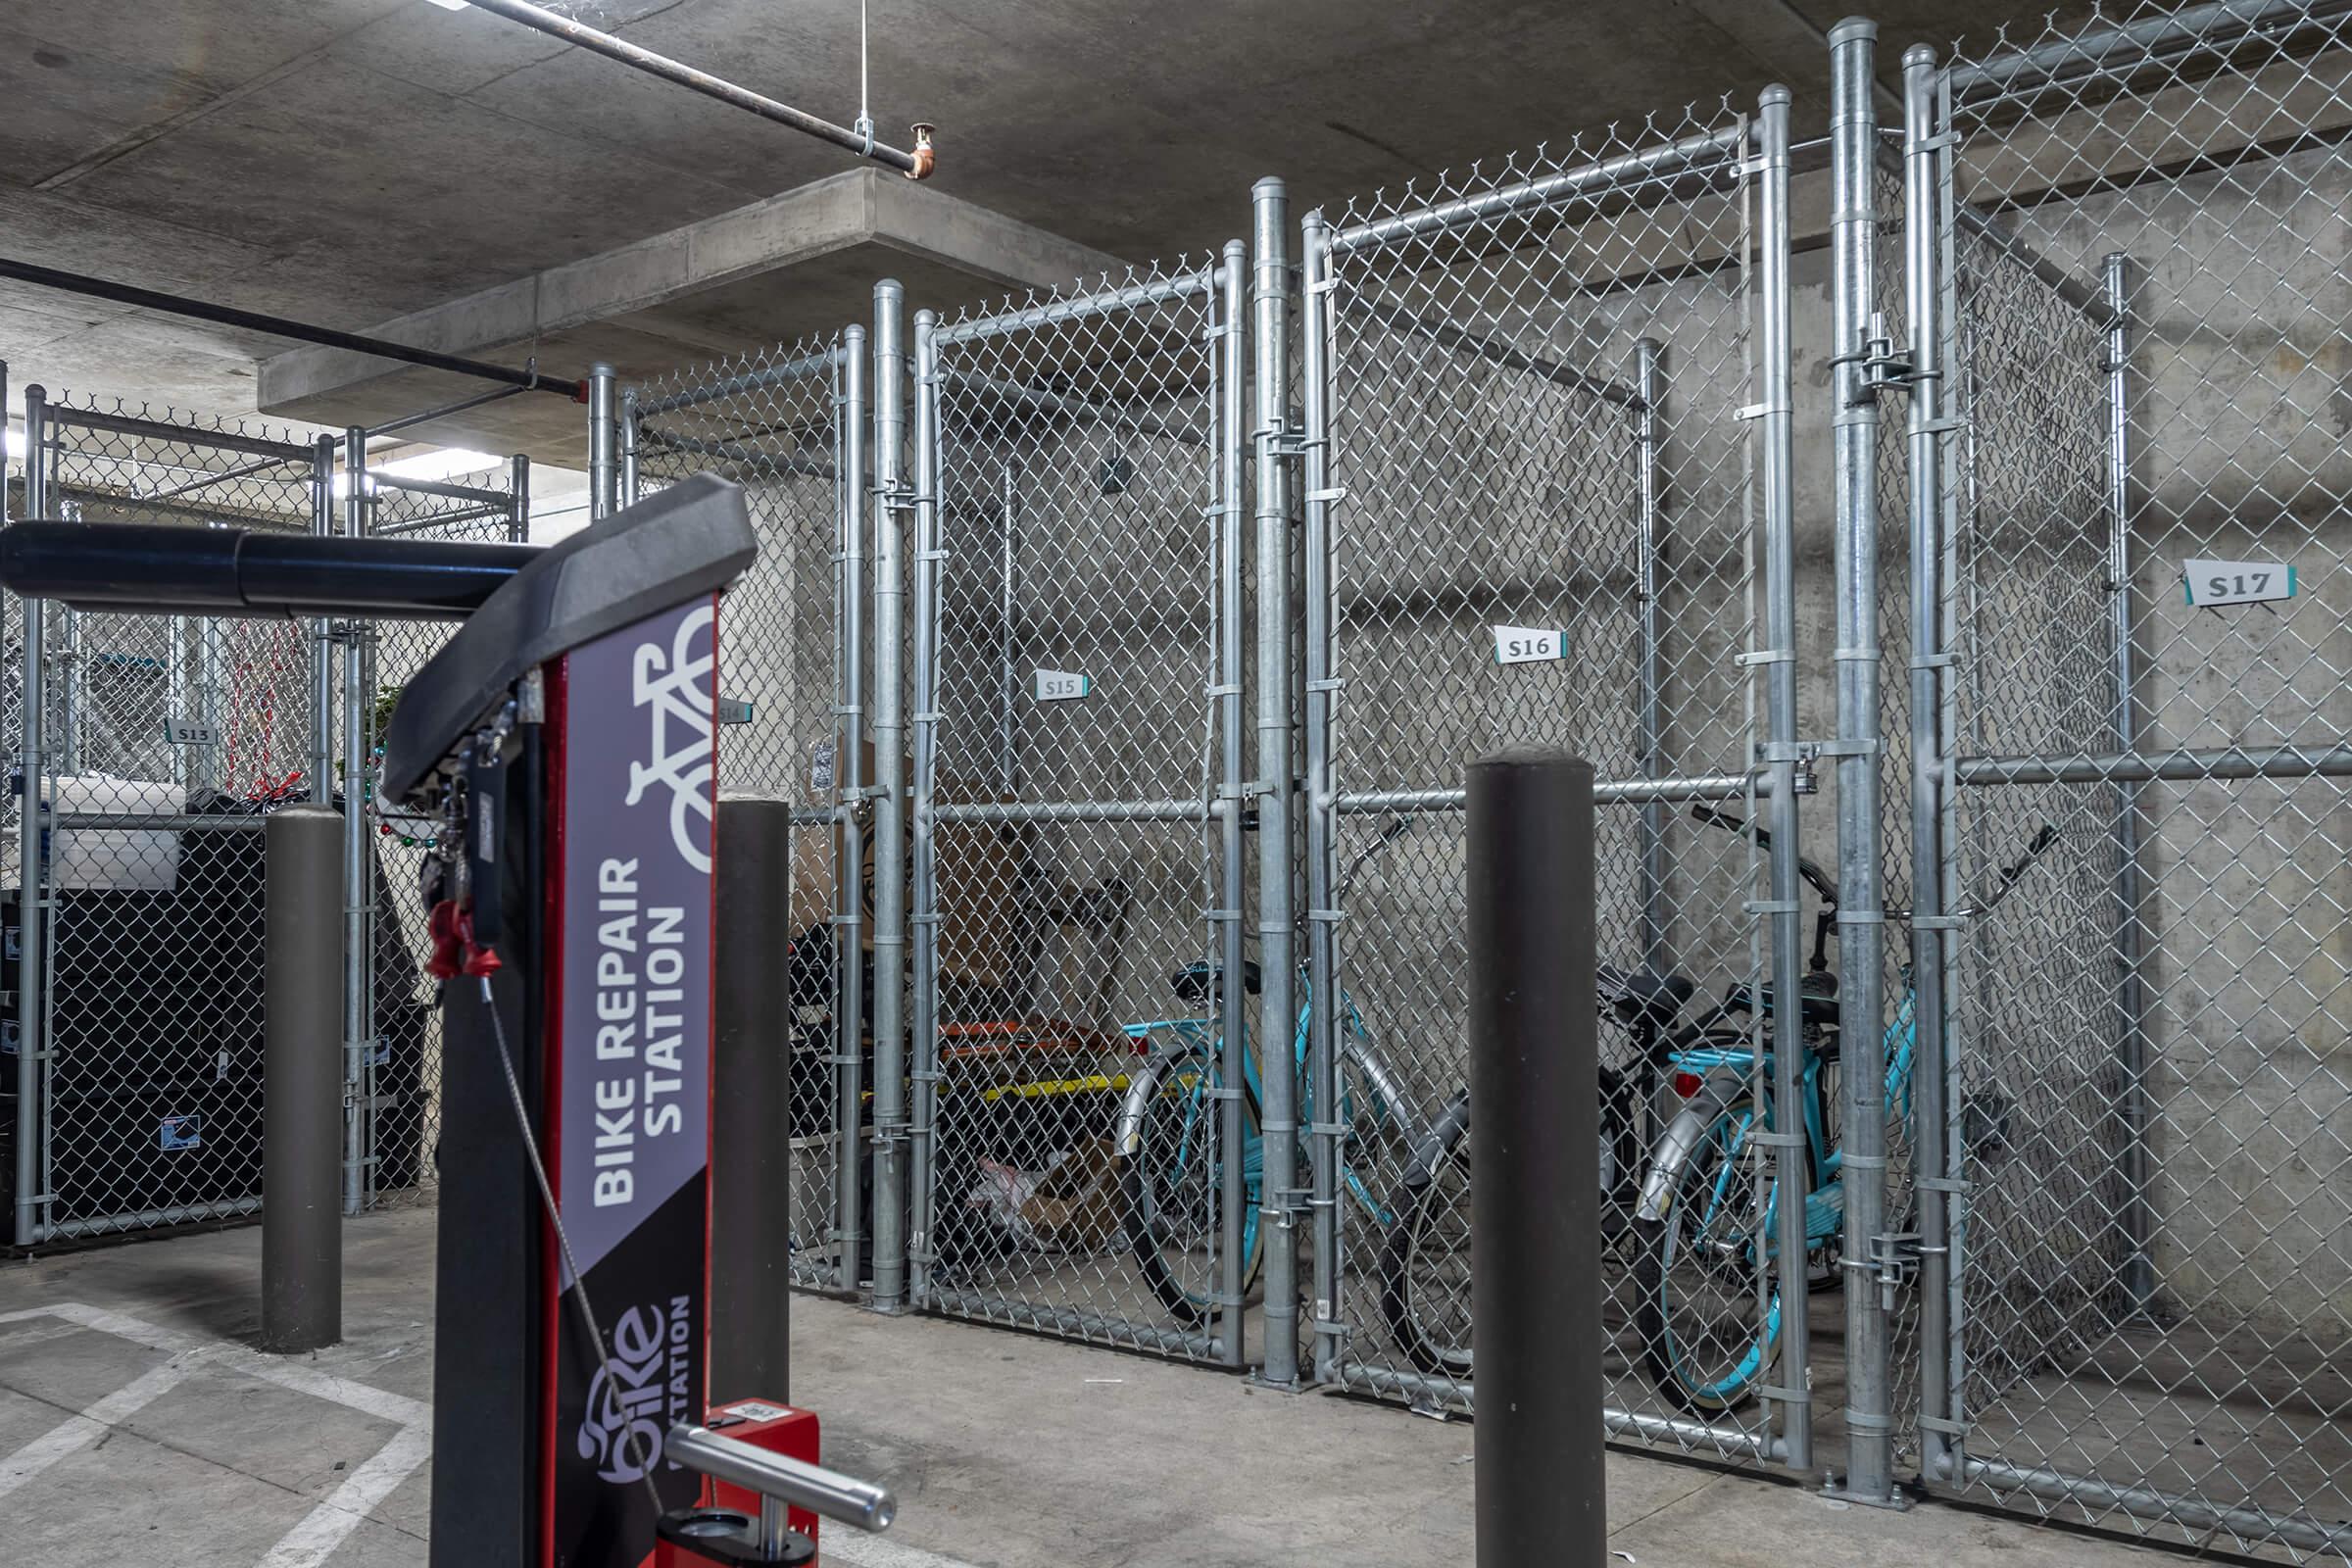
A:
[1171,1173]
[1705,1273]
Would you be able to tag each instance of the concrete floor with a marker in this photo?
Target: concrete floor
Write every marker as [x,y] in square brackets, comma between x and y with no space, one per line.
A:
[136,1425]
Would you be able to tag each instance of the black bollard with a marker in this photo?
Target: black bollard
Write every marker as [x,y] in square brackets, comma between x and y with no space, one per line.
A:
[1535,1179]
[750,1104]
[302,1079]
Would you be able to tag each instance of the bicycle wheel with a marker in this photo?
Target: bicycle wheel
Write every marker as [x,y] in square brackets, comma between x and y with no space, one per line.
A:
[1425,1266]
[1172,1195]
[1708,1334]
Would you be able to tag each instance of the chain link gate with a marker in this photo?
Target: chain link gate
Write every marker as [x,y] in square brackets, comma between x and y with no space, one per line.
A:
[151,746]
[2130,546]
[1086,1116]
[393,1019]
[1548,499]
[790,427]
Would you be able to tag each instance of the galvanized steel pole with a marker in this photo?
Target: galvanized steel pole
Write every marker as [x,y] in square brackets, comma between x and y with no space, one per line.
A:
[1935,1174]
[1277,1012]
[890,857]
[1777,657]
[323,634]
[626,434]
[359,923]
[750,1104]
[2131,1002]
[1535,1191]
[33,1107]
[1854,411]
[302,1224]
[1233,403]
[604,476]
[518,521]
[1648,431]
[922,1134]
[849,815]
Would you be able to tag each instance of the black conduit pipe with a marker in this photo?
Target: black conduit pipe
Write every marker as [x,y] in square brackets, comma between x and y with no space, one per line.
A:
[147,299]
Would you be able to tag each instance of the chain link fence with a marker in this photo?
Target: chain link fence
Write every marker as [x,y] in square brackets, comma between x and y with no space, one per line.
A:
[789,428]
[393,1064]
[1536,514]
[158,745]
[1078,850]
[2148,1144]
[151,746]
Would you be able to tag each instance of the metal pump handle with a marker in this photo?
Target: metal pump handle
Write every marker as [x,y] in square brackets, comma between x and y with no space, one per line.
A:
[773,1475]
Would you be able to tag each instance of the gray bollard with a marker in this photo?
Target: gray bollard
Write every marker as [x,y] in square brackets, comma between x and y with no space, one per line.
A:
[1535,1179]
[302,1079]
[751,1105]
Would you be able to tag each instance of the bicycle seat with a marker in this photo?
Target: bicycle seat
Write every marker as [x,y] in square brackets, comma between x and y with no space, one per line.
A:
[1198,982]
[1638,993]
[1817,996]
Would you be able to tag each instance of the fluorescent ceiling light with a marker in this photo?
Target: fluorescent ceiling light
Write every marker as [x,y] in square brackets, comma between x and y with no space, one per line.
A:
[452,5]
[441,463]
[16,443]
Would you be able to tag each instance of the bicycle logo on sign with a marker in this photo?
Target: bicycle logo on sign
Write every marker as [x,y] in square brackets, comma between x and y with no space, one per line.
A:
[675,684]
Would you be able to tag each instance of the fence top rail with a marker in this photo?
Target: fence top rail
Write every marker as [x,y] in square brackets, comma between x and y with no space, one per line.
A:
[446,491]
[1079,307]
[806,367]
[1630,170]
[60,412]
[2099,50]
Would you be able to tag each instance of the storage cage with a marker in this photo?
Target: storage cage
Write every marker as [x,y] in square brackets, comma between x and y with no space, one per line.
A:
[791,427]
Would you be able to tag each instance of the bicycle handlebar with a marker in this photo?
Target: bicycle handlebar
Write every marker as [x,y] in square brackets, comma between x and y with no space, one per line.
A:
[1813,874]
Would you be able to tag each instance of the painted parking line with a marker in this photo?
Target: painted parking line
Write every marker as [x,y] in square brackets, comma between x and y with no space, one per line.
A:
[859,1550]
[79,1432]
[312,1541]
[326,1526]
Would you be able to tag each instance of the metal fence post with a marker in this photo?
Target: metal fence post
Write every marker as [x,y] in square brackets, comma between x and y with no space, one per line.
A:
[358,925]
[628,436]
[1862,1022]
[1933,1173]
[849,811]
[2131,1046]
[1649,386]
[1233,393]
[323,633]
[922,1133]
[1779,657]
[1277,1012]
[890,863]
[302,1232]
[518,521]
[32,1104]
[1535,1191]
[604,478]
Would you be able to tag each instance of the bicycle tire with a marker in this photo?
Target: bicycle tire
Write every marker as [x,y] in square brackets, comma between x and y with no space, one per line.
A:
[1425,1212]
[1667,1355]
[1188,1307]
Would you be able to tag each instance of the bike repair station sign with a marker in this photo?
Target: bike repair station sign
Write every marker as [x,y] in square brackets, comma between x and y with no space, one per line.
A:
[631,1062]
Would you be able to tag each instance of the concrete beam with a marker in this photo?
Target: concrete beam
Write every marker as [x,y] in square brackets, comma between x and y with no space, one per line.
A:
[803,262]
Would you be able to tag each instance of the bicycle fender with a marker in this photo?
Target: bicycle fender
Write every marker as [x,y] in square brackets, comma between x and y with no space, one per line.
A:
[1127,1139]
[1421,1166]
[1673,1150]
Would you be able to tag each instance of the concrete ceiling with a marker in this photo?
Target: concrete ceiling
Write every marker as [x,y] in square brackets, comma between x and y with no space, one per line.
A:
[352,162]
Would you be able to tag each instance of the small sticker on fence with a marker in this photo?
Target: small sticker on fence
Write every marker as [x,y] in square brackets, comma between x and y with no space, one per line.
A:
[191,732]
[755,1410]
[1529,645]
[2237,582]
[175,1133]
[734,710]
[821,768]
[1061,686]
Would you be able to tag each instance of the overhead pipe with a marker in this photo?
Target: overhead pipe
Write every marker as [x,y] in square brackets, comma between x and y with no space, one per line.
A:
[915,164]
[148,299]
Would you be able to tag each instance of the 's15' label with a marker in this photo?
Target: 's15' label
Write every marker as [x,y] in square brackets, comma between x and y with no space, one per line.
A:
[1061,686]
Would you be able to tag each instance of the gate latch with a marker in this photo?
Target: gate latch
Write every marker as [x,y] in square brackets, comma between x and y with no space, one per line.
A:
[1894,1263]
[1884,365]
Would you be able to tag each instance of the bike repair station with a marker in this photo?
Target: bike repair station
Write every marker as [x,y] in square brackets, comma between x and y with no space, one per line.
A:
[803,870]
